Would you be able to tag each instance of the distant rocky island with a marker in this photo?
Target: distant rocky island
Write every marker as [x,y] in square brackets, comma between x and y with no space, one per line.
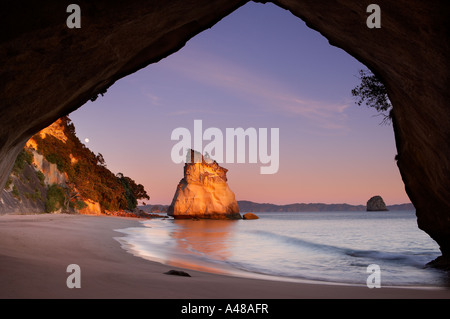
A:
[376,204]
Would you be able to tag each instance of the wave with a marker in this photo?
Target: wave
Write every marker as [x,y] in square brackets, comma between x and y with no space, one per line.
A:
[303,243]
[278,253]
[400,258]
[407,258]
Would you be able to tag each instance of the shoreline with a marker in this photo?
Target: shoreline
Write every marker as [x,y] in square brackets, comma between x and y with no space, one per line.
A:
[190,262]
[36,250]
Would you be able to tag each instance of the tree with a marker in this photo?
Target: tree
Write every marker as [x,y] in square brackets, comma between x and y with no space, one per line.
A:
[55,198]
[373,93]
[133,191]
[71,195]
[101,160]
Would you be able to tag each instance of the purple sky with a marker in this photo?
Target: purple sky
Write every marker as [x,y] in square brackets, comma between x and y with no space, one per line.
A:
[259,67]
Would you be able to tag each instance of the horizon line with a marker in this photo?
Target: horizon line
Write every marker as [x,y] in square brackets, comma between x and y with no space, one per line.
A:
[311,203]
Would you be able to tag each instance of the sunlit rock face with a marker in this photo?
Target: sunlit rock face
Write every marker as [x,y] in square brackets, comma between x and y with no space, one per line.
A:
[92,208]
[50,170]
[203,192]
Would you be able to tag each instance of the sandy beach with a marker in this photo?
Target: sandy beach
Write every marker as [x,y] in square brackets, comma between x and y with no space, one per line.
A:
[35,251]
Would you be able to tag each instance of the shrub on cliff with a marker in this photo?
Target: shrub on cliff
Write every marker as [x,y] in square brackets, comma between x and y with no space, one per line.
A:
[23,158]
[133,191]
[79,205]
[373,93]
[55,198]
[41,177]
[15,192]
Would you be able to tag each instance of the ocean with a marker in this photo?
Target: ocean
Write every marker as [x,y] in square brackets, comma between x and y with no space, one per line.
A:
[334,247]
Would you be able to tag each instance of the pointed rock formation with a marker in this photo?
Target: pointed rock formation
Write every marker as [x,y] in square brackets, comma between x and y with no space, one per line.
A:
[203,192]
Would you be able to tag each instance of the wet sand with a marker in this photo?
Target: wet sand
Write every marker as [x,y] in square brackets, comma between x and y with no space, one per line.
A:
[35,251]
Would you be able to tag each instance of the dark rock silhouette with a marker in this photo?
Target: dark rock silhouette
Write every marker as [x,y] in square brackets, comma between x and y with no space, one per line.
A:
[250,216]
[177,273]
[376,203]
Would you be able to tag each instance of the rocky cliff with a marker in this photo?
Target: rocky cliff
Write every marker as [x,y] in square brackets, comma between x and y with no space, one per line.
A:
[55,172]
[203,192]
[26,189]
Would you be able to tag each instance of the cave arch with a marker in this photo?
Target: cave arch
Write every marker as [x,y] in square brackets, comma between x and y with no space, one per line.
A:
[50,70]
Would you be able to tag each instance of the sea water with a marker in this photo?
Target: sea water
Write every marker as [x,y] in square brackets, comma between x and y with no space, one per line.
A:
[334,247]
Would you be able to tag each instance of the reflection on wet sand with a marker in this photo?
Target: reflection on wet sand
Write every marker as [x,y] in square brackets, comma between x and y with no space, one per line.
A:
[201,238]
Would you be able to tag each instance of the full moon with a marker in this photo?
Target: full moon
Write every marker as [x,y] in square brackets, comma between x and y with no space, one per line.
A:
[86,140]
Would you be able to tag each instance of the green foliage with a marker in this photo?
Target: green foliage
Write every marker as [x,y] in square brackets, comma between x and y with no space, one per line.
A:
[57,159]
[129,196]
[79,204]
[34,196]
[133,191]
[37,194]
[15,192]
[41,177]
[373,93]
[8,183]
[23,158]
[55,198]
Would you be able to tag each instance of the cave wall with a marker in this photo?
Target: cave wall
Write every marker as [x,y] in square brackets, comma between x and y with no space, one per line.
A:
[49,70]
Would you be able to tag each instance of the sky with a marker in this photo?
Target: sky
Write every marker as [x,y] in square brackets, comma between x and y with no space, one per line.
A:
[260,67]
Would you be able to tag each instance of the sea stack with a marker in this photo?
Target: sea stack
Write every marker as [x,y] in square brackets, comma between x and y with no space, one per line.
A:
[376,203]
[203,192]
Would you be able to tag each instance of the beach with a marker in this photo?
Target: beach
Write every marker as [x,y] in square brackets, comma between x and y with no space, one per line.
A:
[36,250]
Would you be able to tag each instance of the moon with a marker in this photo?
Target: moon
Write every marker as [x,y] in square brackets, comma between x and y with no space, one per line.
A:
[86,140]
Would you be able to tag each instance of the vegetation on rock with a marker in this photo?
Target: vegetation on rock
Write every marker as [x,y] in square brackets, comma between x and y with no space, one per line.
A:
[55,198]
[87,176]
[373,93]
